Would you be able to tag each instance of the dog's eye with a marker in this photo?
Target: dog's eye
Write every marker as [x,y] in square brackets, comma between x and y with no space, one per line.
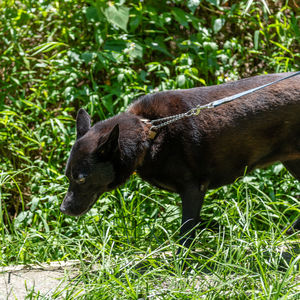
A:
[81,179]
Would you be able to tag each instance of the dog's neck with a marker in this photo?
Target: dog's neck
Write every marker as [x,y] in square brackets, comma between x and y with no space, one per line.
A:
[148,136]
[135,141]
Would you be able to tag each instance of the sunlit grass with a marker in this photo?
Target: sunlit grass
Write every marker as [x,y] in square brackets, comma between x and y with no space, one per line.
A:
[127,244]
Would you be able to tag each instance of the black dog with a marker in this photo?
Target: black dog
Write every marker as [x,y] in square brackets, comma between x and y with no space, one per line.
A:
[191,155]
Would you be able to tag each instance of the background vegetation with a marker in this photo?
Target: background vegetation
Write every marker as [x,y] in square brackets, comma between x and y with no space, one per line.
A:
[57,56]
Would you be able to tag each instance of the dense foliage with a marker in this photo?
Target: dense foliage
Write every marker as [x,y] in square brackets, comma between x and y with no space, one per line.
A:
[57,56]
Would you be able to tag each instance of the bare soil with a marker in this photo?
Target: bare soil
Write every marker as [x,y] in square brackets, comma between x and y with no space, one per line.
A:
[45,280]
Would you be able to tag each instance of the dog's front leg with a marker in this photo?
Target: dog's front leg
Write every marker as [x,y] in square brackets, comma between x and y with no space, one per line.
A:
[192,198]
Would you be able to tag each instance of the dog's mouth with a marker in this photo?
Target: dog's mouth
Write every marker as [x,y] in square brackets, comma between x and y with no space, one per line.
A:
[94,199]
[69,212]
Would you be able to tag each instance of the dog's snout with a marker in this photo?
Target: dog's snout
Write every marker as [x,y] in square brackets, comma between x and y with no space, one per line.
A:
[66,206]
[67,210]
[77,205]
[62,209]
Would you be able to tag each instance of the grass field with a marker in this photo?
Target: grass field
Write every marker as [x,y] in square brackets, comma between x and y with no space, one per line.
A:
[130,235]
[57,56]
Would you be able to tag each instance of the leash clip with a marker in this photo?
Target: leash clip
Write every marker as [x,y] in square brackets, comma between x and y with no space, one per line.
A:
[152,130]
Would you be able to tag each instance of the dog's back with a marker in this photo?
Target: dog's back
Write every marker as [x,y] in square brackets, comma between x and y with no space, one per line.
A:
[253,131]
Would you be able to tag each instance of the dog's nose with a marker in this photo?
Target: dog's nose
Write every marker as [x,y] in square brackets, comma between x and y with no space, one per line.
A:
[65,209]
[62,209]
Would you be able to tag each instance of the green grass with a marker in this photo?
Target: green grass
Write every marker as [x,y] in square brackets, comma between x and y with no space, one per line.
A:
[130,240]
[57,56]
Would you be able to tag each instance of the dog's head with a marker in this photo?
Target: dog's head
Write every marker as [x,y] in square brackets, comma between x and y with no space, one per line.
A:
[90,169]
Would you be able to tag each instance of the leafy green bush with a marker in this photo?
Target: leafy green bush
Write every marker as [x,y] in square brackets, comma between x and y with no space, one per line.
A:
[59,55]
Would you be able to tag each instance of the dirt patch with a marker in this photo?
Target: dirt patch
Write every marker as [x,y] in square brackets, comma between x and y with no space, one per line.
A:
[47,279]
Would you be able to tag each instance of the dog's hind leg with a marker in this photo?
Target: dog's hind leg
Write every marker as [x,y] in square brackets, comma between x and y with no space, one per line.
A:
[192,198]
[293,166]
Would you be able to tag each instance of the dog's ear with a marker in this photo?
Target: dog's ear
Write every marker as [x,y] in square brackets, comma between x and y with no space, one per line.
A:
[111,144]
[83,123]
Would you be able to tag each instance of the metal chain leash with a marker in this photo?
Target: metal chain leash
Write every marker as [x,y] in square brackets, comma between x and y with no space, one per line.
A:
[168,120]
[162,122]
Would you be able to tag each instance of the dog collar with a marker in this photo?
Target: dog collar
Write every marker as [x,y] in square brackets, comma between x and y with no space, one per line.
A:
[151,132]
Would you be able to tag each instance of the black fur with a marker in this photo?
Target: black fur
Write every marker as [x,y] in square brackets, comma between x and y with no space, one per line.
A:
[191,155]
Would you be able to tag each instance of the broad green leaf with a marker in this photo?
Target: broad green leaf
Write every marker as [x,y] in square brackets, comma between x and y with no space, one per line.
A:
[210,46]
[180,16]
[135,21]
[193,4]
[158,45]
[87,57]
[181,80]
[117,16]
[135,50]
[115,45]
[214,2]
[218,24]
[295,26]
[91,14]
[108,104]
